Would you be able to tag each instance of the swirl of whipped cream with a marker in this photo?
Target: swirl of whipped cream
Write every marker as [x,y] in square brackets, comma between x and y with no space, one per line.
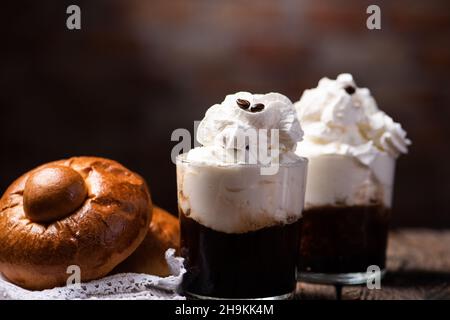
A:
[225,129]
[340,118]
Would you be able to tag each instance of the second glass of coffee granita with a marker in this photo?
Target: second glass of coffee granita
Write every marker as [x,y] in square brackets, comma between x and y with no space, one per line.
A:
[352,147]
[241,197]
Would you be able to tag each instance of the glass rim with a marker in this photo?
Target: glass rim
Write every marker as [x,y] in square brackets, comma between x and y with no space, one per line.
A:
[181,158]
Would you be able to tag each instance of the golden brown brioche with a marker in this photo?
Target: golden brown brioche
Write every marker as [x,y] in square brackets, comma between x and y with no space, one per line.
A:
[149,258]
[85,211]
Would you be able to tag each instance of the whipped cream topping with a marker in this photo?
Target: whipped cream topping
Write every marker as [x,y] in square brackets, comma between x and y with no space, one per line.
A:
[340,118]
[221,185]
[225,130]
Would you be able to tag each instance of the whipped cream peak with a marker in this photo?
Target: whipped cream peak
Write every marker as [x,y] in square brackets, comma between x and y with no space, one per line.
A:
[340,118]
[227,130]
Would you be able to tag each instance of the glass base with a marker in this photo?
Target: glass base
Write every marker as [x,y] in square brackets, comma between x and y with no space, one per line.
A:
[286,296]
[337,278]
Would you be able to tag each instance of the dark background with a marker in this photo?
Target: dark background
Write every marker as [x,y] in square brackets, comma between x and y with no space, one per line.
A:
[137,70]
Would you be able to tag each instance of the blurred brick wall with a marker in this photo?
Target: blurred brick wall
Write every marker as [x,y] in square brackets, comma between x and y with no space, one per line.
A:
[139,69]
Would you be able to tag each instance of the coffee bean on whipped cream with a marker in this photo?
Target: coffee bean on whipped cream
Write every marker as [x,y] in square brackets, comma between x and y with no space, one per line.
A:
[257,107]
[243,104]
[350,89]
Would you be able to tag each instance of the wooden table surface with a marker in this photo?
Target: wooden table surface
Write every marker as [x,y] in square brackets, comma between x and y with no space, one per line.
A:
[418,268]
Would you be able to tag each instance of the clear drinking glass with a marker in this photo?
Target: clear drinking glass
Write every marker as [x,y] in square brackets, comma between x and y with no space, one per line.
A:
[240,229]
[344,228]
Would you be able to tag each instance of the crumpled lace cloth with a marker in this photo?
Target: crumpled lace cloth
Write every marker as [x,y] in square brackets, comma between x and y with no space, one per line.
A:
[115,287]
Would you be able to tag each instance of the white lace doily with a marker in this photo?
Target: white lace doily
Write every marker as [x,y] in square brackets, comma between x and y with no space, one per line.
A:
[118,286]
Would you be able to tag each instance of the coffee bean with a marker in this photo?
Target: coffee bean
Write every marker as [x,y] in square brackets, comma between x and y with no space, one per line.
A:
[350,89]
[257,107]
[243,104]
